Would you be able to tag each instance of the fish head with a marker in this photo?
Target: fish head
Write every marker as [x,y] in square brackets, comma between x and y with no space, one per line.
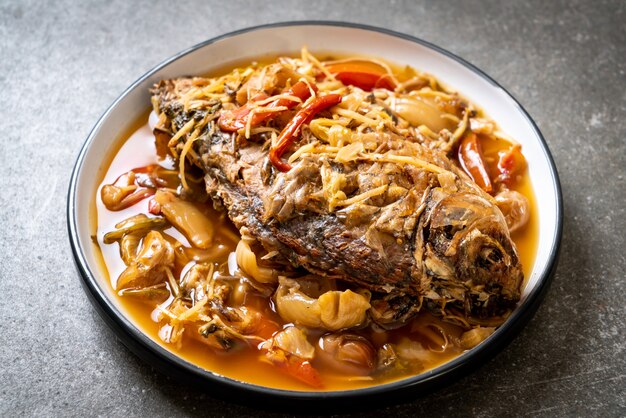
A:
[470,242]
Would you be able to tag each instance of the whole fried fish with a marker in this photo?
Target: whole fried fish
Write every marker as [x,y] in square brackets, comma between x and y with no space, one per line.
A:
[384,212]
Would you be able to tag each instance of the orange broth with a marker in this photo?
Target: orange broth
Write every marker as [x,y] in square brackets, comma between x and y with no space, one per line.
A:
[137,149]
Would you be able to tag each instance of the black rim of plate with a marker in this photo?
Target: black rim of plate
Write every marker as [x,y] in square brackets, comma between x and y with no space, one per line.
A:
[149,350]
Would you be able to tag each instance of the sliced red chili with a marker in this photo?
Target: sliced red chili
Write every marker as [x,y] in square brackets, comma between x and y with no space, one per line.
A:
[471,159]
[292,130]
[234,120]
[366,75]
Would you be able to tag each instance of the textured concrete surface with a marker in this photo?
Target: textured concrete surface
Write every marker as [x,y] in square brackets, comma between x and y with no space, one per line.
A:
[62,63]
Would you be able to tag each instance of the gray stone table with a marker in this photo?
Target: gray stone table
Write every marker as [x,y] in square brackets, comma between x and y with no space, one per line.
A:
[62,63]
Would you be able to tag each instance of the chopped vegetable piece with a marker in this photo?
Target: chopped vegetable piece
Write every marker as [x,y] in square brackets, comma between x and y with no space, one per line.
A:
[129,245]
[471,159]
[475,336]
[157,293]
[123,193]
[348,353]
[515,208]
[187,218]
[149,266]
[420,111]
[263,327]
[139,224]
[332,310]
[295,367]
[292,130]
[247,261]
[293,341]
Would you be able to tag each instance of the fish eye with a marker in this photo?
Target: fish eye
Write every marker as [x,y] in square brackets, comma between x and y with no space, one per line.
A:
[489,256]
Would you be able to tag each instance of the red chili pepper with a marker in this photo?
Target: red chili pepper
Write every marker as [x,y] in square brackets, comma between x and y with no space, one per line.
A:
[292,130]
[510,163]
[363,74]
[471,159]
[234,120]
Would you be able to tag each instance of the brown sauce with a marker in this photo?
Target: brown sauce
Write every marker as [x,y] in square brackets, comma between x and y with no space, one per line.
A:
[137,149]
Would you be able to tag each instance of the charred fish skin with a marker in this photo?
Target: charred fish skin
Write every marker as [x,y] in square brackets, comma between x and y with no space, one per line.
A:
[424,230]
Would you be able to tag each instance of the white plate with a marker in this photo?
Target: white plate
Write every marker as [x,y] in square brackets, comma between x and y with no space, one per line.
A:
[352,39]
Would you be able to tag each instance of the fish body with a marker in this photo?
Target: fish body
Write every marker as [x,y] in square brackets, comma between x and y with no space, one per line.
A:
[381,211]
